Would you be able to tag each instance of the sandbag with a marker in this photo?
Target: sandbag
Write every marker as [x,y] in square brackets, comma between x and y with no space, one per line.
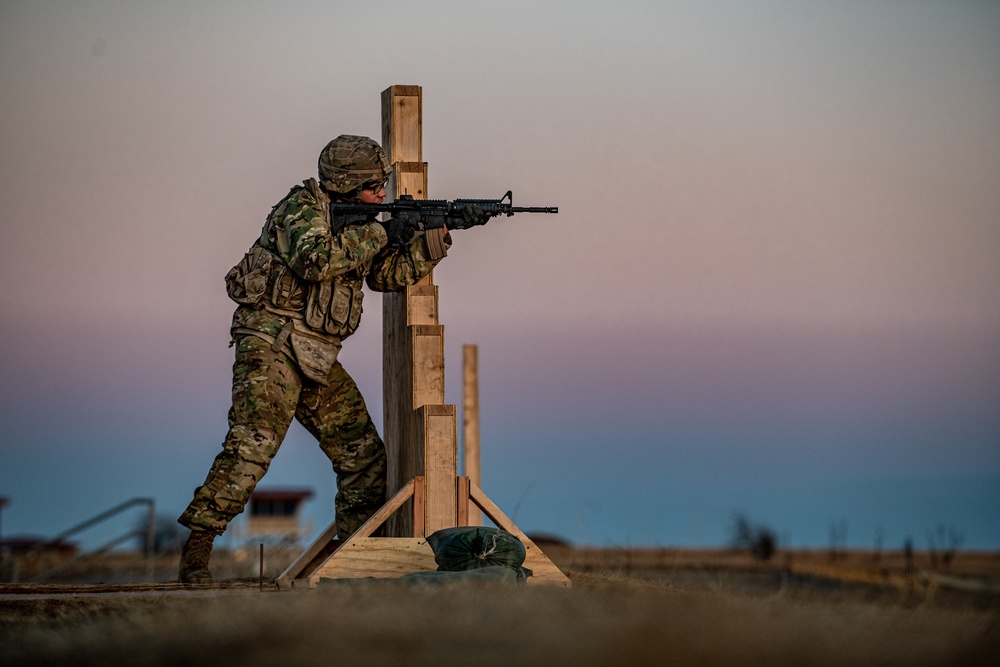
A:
[473,547]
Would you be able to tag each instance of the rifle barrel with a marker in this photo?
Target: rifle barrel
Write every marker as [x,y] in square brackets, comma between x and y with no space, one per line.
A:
[534,209]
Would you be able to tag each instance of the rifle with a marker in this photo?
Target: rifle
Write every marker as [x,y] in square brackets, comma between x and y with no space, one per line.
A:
[432,216]
[426,214]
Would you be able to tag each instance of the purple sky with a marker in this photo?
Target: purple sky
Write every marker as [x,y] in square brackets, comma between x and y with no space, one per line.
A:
[772,286]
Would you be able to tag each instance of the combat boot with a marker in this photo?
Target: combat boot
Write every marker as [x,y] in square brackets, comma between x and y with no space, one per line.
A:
[194,558]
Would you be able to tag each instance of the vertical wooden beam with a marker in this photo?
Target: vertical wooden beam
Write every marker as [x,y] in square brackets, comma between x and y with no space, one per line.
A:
[402,140]
[440,445]
[403,123]
[463,501]
[418,443]
[418,507]
[470,424]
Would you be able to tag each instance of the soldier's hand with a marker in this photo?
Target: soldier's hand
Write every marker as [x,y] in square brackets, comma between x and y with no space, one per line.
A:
[475,215]
[400,232]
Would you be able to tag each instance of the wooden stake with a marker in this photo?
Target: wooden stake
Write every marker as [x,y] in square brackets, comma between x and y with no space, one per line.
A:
[470,424]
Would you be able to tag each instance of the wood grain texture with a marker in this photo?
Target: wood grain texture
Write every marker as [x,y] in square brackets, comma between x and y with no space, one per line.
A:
[470,424]
[378,557]
[440,462]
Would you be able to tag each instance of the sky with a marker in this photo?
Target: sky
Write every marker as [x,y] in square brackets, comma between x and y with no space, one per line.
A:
[771,288]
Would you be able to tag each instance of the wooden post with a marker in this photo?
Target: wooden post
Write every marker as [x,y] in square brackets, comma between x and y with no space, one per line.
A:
[419,430]
[470,424]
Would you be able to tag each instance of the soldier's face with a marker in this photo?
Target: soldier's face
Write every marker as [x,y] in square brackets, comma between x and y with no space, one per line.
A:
[373,194]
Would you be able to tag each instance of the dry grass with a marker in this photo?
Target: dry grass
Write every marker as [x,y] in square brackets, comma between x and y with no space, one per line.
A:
[605,619]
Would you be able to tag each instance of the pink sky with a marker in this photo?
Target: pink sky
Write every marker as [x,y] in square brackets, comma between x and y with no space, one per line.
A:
[779,231]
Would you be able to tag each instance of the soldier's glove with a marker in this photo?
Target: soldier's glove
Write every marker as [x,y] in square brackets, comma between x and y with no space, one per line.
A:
[473,216]
[399,231]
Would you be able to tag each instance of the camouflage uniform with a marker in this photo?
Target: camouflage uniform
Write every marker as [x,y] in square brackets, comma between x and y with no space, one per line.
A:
[299,288]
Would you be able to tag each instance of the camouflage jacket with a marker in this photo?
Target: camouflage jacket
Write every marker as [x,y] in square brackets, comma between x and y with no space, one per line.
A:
[299,286]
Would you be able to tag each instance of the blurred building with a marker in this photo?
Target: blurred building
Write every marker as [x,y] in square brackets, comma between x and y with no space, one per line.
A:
[26,556]
[275,515]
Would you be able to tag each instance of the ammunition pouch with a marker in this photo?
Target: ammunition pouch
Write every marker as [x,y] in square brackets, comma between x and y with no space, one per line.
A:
[247,282]
[261,280]
[333,308]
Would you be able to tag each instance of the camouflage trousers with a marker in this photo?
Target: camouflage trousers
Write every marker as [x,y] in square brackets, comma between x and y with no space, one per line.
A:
[268,391]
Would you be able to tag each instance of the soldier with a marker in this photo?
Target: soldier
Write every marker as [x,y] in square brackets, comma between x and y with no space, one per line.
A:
[299,295]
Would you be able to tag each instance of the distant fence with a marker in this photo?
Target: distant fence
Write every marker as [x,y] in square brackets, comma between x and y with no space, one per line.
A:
[148,531]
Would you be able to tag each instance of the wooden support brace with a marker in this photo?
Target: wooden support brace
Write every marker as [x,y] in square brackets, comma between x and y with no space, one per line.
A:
[545,571]
[301,564]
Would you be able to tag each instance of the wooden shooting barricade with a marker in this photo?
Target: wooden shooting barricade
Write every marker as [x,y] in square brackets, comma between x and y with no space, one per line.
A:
[426,492]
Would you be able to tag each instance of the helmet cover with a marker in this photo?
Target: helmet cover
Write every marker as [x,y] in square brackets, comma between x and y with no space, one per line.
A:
[350,161]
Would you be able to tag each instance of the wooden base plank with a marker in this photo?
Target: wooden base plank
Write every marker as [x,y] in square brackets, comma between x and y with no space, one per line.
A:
[378,557]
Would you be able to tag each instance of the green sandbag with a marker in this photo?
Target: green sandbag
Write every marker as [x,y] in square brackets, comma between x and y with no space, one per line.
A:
[474,547]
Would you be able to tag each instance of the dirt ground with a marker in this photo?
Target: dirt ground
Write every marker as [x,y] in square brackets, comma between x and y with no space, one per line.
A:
[626,607]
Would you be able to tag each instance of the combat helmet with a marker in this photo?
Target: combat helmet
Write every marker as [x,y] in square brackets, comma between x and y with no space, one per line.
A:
[349,161]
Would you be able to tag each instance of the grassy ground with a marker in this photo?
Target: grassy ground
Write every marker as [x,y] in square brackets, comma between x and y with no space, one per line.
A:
[615,614]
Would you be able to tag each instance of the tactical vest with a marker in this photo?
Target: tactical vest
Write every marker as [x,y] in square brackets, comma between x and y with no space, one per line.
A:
[319,314]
